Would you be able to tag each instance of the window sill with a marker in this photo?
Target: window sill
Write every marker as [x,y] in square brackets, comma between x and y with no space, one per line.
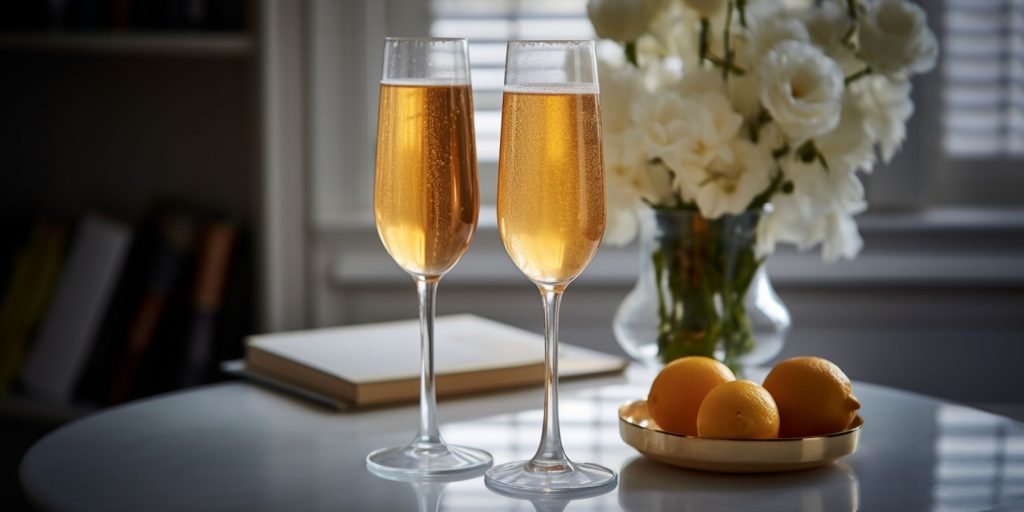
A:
[942,247]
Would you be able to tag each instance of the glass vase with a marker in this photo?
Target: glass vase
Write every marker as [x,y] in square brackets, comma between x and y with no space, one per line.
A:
[701,290]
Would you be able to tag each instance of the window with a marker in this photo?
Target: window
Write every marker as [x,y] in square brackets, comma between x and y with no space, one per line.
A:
[321,64]
[489,24]
[967,135]
[983,70]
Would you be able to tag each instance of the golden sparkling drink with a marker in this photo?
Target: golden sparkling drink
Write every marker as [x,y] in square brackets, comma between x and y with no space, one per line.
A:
[551,211]
[425,193]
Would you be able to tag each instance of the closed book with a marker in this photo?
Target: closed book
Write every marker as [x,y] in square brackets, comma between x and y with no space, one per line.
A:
[158,324]
[211,273]
[379,363]
[94,385]
[237,311]
[28,295]
[79,301]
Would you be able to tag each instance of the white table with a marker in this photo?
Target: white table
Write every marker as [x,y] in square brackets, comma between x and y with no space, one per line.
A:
[236,446]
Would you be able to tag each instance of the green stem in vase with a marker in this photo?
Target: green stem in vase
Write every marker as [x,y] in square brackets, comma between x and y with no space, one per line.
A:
[658,260]
[690,325]
[739,336]
[703,270]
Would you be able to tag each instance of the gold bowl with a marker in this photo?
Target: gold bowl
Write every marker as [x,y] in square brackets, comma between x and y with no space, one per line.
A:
[732,455]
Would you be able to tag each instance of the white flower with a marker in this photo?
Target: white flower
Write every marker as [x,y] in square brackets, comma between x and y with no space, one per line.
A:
[743,93]
[895,38]
[620,222]
[623,153]
[886,106]
[785,221]
[769,28]
[802,88]
[624,150]
[660,73]
[819,210]
[653,181]
[850,145]
[630,178]
[706,8]
[676,131]
[729,183]
[827,25]
[841,238]
[836,232]
[619,85]
[769,24]
[673,33]
[698,81]
[825,190]
[628,175]
[622,20]
[686,131]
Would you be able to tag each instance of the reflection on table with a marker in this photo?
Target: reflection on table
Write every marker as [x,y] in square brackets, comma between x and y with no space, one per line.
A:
[235,446]
[651,486]
[979,459]
[590,433]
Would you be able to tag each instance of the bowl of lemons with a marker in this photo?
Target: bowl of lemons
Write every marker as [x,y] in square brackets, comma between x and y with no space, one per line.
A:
[699,416]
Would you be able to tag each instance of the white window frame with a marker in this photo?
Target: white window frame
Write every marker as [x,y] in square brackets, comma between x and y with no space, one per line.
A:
[320,64]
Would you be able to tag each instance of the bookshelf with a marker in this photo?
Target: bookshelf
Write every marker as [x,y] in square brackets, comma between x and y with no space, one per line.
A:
[111,121]
[139,43]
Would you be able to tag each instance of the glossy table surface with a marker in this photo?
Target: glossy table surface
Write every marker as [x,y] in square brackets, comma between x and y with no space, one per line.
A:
[236,446]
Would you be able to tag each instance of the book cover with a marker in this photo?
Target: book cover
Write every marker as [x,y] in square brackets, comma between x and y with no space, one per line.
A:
[29,292]
[160,317]
[238,306]
[94,385]
[79,301]
[211,274]
[379,363]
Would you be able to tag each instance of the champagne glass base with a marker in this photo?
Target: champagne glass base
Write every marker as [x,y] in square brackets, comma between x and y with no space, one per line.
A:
[437,460]
[519,477]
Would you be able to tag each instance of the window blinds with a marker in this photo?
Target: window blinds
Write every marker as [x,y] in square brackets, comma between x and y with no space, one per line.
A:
[983,70]
[982,64]
[488,24]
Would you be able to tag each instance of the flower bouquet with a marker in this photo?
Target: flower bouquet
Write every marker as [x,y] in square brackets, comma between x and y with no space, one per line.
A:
[734,125]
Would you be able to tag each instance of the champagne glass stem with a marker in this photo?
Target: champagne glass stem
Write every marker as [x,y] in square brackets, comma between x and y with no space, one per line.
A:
[550,456]
[428,436]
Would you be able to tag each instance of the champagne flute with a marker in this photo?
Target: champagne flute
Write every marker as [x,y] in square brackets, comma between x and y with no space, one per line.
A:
[426,204]
[551,217]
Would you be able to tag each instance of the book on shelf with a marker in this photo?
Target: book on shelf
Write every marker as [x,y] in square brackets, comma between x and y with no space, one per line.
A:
[28,293]
[373,364]
[237,310]
[215,250]
[182,302]
[156,331]
[83,291]
[120,311]
[94,385]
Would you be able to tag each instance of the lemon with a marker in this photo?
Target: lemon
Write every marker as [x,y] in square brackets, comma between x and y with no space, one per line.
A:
[738,410]
[814,397]
[679,389]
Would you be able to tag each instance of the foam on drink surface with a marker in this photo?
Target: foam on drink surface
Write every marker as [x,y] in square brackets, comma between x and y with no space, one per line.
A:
[559,88]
